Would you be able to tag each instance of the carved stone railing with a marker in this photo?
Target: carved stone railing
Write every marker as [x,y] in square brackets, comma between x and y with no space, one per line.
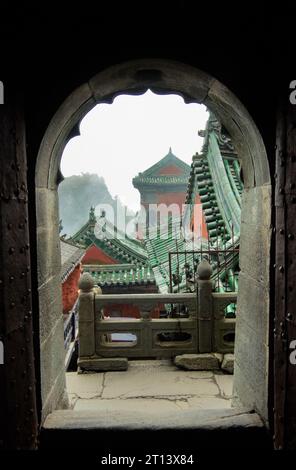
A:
[223,328]
[120,274]
[204,330]
[153,338]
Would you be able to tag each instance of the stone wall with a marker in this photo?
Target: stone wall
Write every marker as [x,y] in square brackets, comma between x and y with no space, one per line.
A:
[52,350]
[252,323]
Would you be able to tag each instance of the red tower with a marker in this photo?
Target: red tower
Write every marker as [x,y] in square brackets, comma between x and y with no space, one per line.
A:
[163,191]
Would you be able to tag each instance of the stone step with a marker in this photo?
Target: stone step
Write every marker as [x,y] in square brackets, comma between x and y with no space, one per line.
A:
[211,429]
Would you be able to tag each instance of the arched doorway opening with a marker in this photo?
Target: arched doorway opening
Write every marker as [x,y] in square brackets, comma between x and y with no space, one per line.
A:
[161,76]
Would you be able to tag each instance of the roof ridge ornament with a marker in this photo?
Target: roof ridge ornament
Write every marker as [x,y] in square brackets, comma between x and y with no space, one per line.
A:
[92,215]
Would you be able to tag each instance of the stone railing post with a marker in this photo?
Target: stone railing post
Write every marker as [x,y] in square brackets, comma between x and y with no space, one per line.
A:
[205,307]
[145,311]
[86,316]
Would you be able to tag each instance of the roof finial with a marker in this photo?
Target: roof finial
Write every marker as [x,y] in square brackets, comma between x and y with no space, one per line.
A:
[170,150]
[92,216]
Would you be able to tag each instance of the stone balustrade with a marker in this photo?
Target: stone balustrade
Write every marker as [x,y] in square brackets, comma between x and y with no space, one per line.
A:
[204,329]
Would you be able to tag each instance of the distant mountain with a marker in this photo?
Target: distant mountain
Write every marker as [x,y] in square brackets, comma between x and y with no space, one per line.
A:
[77,194]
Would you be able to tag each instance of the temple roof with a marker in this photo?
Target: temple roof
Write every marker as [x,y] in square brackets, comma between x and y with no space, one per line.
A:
[132,267]
[118,275]
[114,242]
[215,176]
[170,253]
[168,239]
[71,255]
[170,170]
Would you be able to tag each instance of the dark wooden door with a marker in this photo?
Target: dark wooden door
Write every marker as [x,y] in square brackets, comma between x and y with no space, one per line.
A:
[285,279]
[18,420]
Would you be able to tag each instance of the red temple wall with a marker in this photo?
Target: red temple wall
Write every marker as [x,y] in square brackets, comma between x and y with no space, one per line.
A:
[95,255]
[70,289]
[167,199]
[198,219]
[131,311]
[170,170]
[171,198]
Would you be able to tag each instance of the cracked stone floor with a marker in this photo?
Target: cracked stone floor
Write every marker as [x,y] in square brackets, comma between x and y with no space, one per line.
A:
[155,385]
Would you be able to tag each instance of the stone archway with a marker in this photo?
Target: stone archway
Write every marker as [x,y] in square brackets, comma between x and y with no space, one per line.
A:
[162,76]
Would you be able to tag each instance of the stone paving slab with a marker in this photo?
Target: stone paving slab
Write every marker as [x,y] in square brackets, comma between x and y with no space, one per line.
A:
[151,386]
[164,384]
[134,405]
[209,403]
[155,406]
[197,361]
[72,399]
[150,368]
[225,384]
[84,385]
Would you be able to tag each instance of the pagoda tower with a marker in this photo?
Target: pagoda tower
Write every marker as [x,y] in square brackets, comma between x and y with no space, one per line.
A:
[164,186]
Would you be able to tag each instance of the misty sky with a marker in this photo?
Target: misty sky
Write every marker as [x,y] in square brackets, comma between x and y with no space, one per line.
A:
[120,140]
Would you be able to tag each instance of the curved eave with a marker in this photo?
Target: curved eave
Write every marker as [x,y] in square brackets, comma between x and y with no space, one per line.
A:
[142,183]
[216,179]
